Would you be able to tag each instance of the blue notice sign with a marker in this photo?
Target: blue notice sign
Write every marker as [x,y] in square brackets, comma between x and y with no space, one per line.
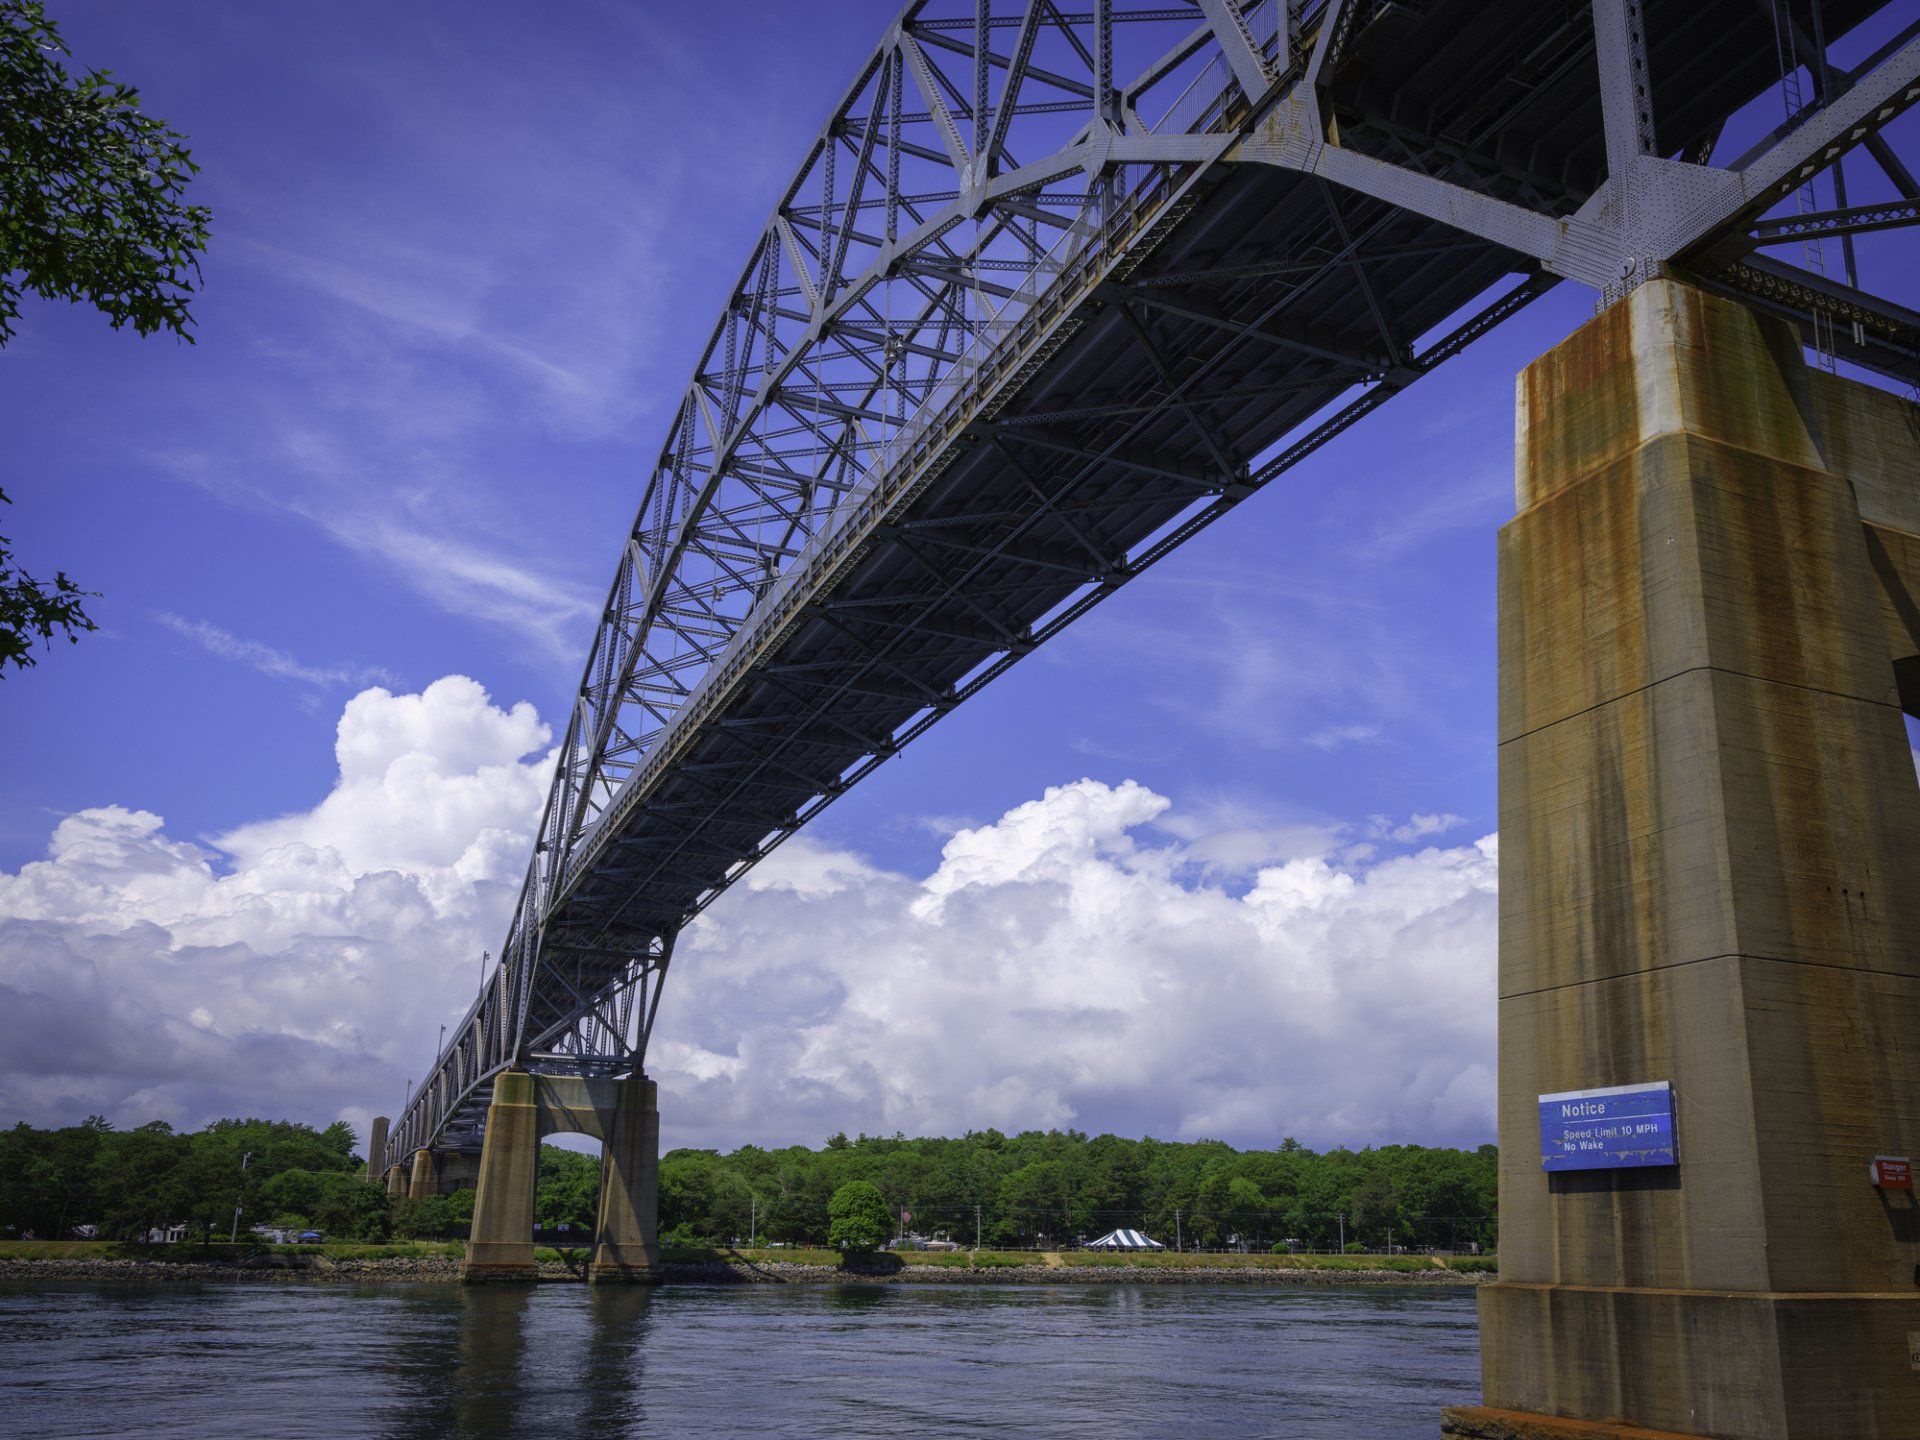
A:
[1611,1129]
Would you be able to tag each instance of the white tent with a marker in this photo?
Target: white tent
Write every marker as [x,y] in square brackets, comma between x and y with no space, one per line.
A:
[1124,1240]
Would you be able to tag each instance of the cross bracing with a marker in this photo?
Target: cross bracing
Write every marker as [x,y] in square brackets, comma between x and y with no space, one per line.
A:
[1055,287]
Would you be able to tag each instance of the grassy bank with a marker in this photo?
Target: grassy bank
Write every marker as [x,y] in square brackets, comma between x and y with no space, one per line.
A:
[1403,1264]
[190,1253]
[1090,1259]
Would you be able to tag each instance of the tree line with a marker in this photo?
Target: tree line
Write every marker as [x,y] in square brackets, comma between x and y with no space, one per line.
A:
[1060,1188]
[1039,1188]
[130,1184]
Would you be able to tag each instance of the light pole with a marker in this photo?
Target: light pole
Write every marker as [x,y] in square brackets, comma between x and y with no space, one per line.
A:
[234,1233]
[440,1045]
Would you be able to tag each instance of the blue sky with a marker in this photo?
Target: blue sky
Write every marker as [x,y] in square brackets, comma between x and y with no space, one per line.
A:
[463,259]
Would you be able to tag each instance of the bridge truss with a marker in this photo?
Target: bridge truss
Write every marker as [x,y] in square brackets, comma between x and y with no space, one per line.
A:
[1059,283]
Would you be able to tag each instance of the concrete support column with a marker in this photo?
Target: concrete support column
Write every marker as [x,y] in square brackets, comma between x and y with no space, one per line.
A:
[500,1246]
[627,1242]
[1710,876]
[397,1180]
[377,1149]
[423,1181]
[624,1116]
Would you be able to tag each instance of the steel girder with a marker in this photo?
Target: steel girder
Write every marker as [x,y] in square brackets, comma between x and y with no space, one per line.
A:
[1016,329]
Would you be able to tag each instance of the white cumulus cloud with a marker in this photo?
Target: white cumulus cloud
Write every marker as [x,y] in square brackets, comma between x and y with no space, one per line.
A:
[1094,957]
[302,964]
[1074,964]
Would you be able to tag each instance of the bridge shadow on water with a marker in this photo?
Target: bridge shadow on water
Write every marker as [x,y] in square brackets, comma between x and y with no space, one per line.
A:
[873,1361]
[524,1368]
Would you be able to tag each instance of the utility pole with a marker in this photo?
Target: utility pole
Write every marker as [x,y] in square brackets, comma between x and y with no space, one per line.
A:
[1176,1230]
[976,1227]
[1342,1219]
[753,1218]
[440,1045]
[234,1233]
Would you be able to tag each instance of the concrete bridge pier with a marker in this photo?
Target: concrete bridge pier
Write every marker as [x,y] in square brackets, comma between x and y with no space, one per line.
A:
[397,1179]
[377,1149]
[624,1116]
[1709,876]
[424,1179]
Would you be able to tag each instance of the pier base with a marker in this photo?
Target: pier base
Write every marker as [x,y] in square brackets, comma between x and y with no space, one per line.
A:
[1710,876]
[1477,1422]
[624,1116]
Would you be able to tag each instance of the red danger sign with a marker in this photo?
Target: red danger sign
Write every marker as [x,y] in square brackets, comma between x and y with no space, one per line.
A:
[1892,1172]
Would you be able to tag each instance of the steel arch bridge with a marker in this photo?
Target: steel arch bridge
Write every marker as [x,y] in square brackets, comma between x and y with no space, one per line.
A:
[1052,290]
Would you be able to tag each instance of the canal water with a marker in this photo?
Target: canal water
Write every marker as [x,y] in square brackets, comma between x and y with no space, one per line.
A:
[219,1362]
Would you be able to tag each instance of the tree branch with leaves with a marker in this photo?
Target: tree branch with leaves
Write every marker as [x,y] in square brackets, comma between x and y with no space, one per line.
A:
[92,208]
[92,192]
[31,610]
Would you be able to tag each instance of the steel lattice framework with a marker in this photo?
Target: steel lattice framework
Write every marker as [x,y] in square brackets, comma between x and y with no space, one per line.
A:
[1020,325]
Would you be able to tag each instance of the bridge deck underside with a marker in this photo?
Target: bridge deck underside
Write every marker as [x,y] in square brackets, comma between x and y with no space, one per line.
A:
[1095,453]
[1269,299]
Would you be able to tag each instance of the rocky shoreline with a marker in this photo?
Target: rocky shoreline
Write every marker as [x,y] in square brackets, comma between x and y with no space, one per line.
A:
[318,1269]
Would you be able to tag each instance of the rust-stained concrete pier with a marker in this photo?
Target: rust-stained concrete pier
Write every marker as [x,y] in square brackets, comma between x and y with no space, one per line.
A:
[1710,875]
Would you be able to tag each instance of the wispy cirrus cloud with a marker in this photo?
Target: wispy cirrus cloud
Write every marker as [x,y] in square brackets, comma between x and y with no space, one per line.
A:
[419,536]
[1415,827]
[1332,737]
[469,579]
[269,659]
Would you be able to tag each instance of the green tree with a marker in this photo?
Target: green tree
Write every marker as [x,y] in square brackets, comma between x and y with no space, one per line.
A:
[857,1218]
[32,610]
[568,1190]
[432,1217]
[92,208]
[92,192]
[1060,1183]
[132,1174]
[297,1192]
[355,1209]
[1376,1208]
[205,1186]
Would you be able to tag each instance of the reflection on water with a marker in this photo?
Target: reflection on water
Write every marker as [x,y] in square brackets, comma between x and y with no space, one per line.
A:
[409,1362]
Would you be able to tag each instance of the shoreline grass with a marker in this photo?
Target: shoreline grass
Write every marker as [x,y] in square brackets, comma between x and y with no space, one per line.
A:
[192,1252]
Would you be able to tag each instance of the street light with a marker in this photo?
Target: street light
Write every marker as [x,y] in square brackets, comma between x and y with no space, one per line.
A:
[234,1233]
